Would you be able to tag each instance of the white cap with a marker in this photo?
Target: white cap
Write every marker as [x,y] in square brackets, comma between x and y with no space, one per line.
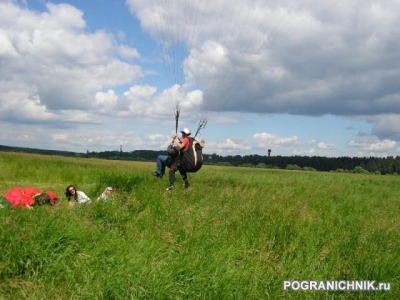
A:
[186,131]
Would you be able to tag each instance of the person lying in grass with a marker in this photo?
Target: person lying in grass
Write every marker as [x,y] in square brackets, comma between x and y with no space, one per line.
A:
[75,196]
[106,195]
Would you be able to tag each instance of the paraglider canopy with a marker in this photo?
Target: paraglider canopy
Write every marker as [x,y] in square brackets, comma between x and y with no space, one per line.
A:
[28,197]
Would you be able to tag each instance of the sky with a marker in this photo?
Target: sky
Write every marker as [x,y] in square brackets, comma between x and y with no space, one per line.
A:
[299,77]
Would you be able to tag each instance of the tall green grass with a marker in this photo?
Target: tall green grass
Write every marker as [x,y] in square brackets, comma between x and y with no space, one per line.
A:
[236,233]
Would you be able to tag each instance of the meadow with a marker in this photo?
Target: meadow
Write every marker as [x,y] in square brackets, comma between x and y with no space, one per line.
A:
[236,233]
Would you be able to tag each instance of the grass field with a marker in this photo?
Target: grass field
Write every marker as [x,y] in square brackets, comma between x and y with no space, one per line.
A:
[236,233]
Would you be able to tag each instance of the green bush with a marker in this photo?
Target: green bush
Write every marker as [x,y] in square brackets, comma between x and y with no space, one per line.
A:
[309,169]
[293,167]
[359,170]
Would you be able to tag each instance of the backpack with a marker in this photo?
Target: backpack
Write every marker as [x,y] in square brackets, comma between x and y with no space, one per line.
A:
[192,159]
[173,155]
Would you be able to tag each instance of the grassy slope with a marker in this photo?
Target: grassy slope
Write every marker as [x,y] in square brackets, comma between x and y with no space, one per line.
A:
[235,234]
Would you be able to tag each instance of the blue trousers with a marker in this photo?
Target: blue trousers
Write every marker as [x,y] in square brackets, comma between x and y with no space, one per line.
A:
[162,161]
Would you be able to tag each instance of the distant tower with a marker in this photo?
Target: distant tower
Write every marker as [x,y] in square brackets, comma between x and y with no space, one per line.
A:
[120,148]
[269,152]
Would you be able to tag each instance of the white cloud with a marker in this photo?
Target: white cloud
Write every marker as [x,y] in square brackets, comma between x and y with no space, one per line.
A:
[21,104]
[230,145]
[324,146]
[128,52]
[309,143]
[305,59]
[86,138]
[144,102]
[6,46]
[51,57]
[298,147]
[106,100]
[367,143]
[338,58]
[304,153]
[60,137]
[386,125]
[267,139]
[382,145]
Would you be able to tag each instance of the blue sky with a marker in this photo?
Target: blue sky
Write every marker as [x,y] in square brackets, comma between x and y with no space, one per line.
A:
[299,77]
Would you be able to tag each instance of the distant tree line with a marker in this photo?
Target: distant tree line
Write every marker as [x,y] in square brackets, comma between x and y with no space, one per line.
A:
[382,165]
[377,165]
[38,151]
[137,155]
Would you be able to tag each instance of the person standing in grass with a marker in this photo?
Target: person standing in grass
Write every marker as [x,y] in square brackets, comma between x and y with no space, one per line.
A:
[75,196]
[106,195]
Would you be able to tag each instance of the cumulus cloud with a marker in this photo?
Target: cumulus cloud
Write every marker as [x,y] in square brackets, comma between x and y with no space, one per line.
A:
[369,143]
[274,141]
[100,140]
[336,58]
[266,57]
[382,145]
[86,138]
[106,100]
[128,52]
[57,64]
[229,146]
[386,126]
[304,153]
[268,139]
[52,68]
[324,146]
[144,101]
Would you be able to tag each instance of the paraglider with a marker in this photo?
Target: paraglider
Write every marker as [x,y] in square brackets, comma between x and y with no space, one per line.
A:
[190,160]
[184,156]
[205,45]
